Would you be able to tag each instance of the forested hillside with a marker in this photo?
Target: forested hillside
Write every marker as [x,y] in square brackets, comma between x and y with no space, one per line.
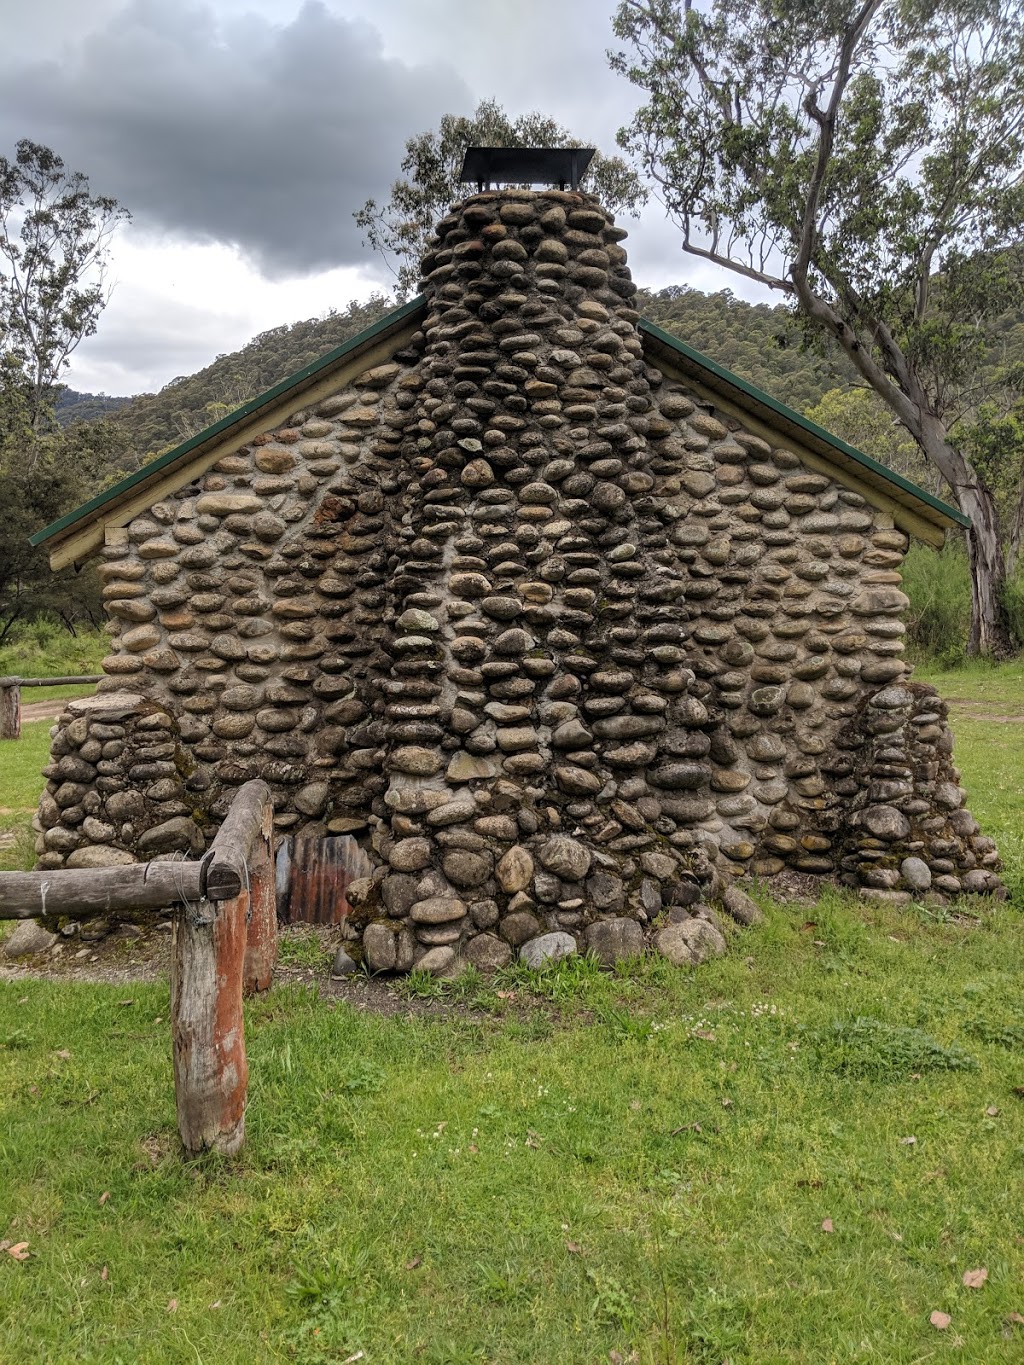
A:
[758,342]
[73,406]
[189,404]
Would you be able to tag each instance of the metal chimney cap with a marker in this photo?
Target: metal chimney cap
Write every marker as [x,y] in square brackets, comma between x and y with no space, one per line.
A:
[562,166]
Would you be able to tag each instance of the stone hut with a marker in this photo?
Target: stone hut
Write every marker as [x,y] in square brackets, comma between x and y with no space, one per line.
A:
[556,623]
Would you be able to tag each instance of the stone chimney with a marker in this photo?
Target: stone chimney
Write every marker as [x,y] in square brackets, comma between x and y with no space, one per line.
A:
[545,738]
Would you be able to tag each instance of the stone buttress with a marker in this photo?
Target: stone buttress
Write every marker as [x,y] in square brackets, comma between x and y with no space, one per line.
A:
[564,647]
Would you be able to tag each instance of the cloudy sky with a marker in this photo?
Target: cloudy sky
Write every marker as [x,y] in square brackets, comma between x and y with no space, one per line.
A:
[242,135]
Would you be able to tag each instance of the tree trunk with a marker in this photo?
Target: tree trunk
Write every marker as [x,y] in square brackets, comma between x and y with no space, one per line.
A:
[1016,534]
[990,625]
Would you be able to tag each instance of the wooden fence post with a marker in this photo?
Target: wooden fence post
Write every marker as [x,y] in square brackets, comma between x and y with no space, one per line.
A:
[208,971]
[10,710]
[261,939]
[211,1072]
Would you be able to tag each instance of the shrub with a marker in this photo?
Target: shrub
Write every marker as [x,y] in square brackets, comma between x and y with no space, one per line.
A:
[870,1047]
[939,587]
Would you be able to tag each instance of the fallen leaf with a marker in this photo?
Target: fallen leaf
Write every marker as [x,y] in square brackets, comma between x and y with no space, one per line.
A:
[826,1225]
[635,1105]
[126,1002]
[704,1034]
[992,1111]
[473,1148]
[172,1306]
[940,1320]
[63,1054]
[415,1263]
[1016,1319]
[908,1141]
[974,1279]
[726,1103]
[350,1360]
[23,1000]
[104,1273]
[506,995]
[158,1019]
[575,1248]
[19,1251]
[104,1197]
[215,1304]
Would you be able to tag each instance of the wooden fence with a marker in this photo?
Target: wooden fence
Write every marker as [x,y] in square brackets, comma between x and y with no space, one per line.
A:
[223,947]
[10,698]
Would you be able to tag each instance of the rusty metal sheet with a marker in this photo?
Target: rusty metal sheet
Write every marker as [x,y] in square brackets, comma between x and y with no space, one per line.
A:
[312,875]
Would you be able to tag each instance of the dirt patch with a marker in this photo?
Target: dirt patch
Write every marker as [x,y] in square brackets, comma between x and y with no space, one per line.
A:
[801,888]
[113,961]
[41,710]
[124,962]
[981,710]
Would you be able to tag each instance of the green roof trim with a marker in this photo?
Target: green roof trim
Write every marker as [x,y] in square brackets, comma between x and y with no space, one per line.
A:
[872,467]
[391,321]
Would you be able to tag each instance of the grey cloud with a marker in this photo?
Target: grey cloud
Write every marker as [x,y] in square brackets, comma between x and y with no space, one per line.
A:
[528,54]
[264,135]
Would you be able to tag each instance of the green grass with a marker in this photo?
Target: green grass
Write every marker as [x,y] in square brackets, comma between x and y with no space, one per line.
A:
[644,1166]
[21,781]
[561,1165]
[34,694]
[999,685]
[44,649]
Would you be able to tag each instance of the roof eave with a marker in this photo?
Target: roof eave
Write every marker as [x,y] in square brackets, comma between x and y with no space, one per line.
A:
[917,500]
[295,385]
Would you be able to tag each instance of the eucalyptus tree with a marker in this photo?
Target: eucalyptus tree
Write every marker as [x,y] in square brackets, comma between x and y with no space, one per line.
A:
[400,228]
[865,159]
[54,246]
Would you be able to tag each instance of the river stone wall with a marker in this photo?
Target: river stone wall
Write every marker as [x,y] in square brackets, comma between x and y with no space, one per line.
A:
[563,646]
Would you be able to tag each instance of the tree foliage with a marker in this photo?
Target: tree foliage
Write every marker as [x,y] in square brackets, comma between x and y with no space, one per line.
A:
[54,241]
[54,236]
[400,228]
[864,158]
[859,417]
[68,468]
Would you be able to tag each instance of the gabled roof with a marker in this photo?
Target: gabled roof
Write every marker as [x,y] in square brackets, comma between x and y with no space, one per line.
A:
[117,505]
[722,385]
[76,536]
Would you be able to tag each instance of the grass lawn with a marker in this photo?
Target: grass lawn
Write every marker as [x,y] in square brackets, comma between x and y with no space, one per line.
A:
[21,762]
[793,1154]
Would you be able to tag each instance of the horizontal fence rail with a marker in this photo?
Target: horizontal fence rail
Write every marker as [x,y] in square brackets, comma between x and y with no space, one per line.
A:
[10,697]
[223,947]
